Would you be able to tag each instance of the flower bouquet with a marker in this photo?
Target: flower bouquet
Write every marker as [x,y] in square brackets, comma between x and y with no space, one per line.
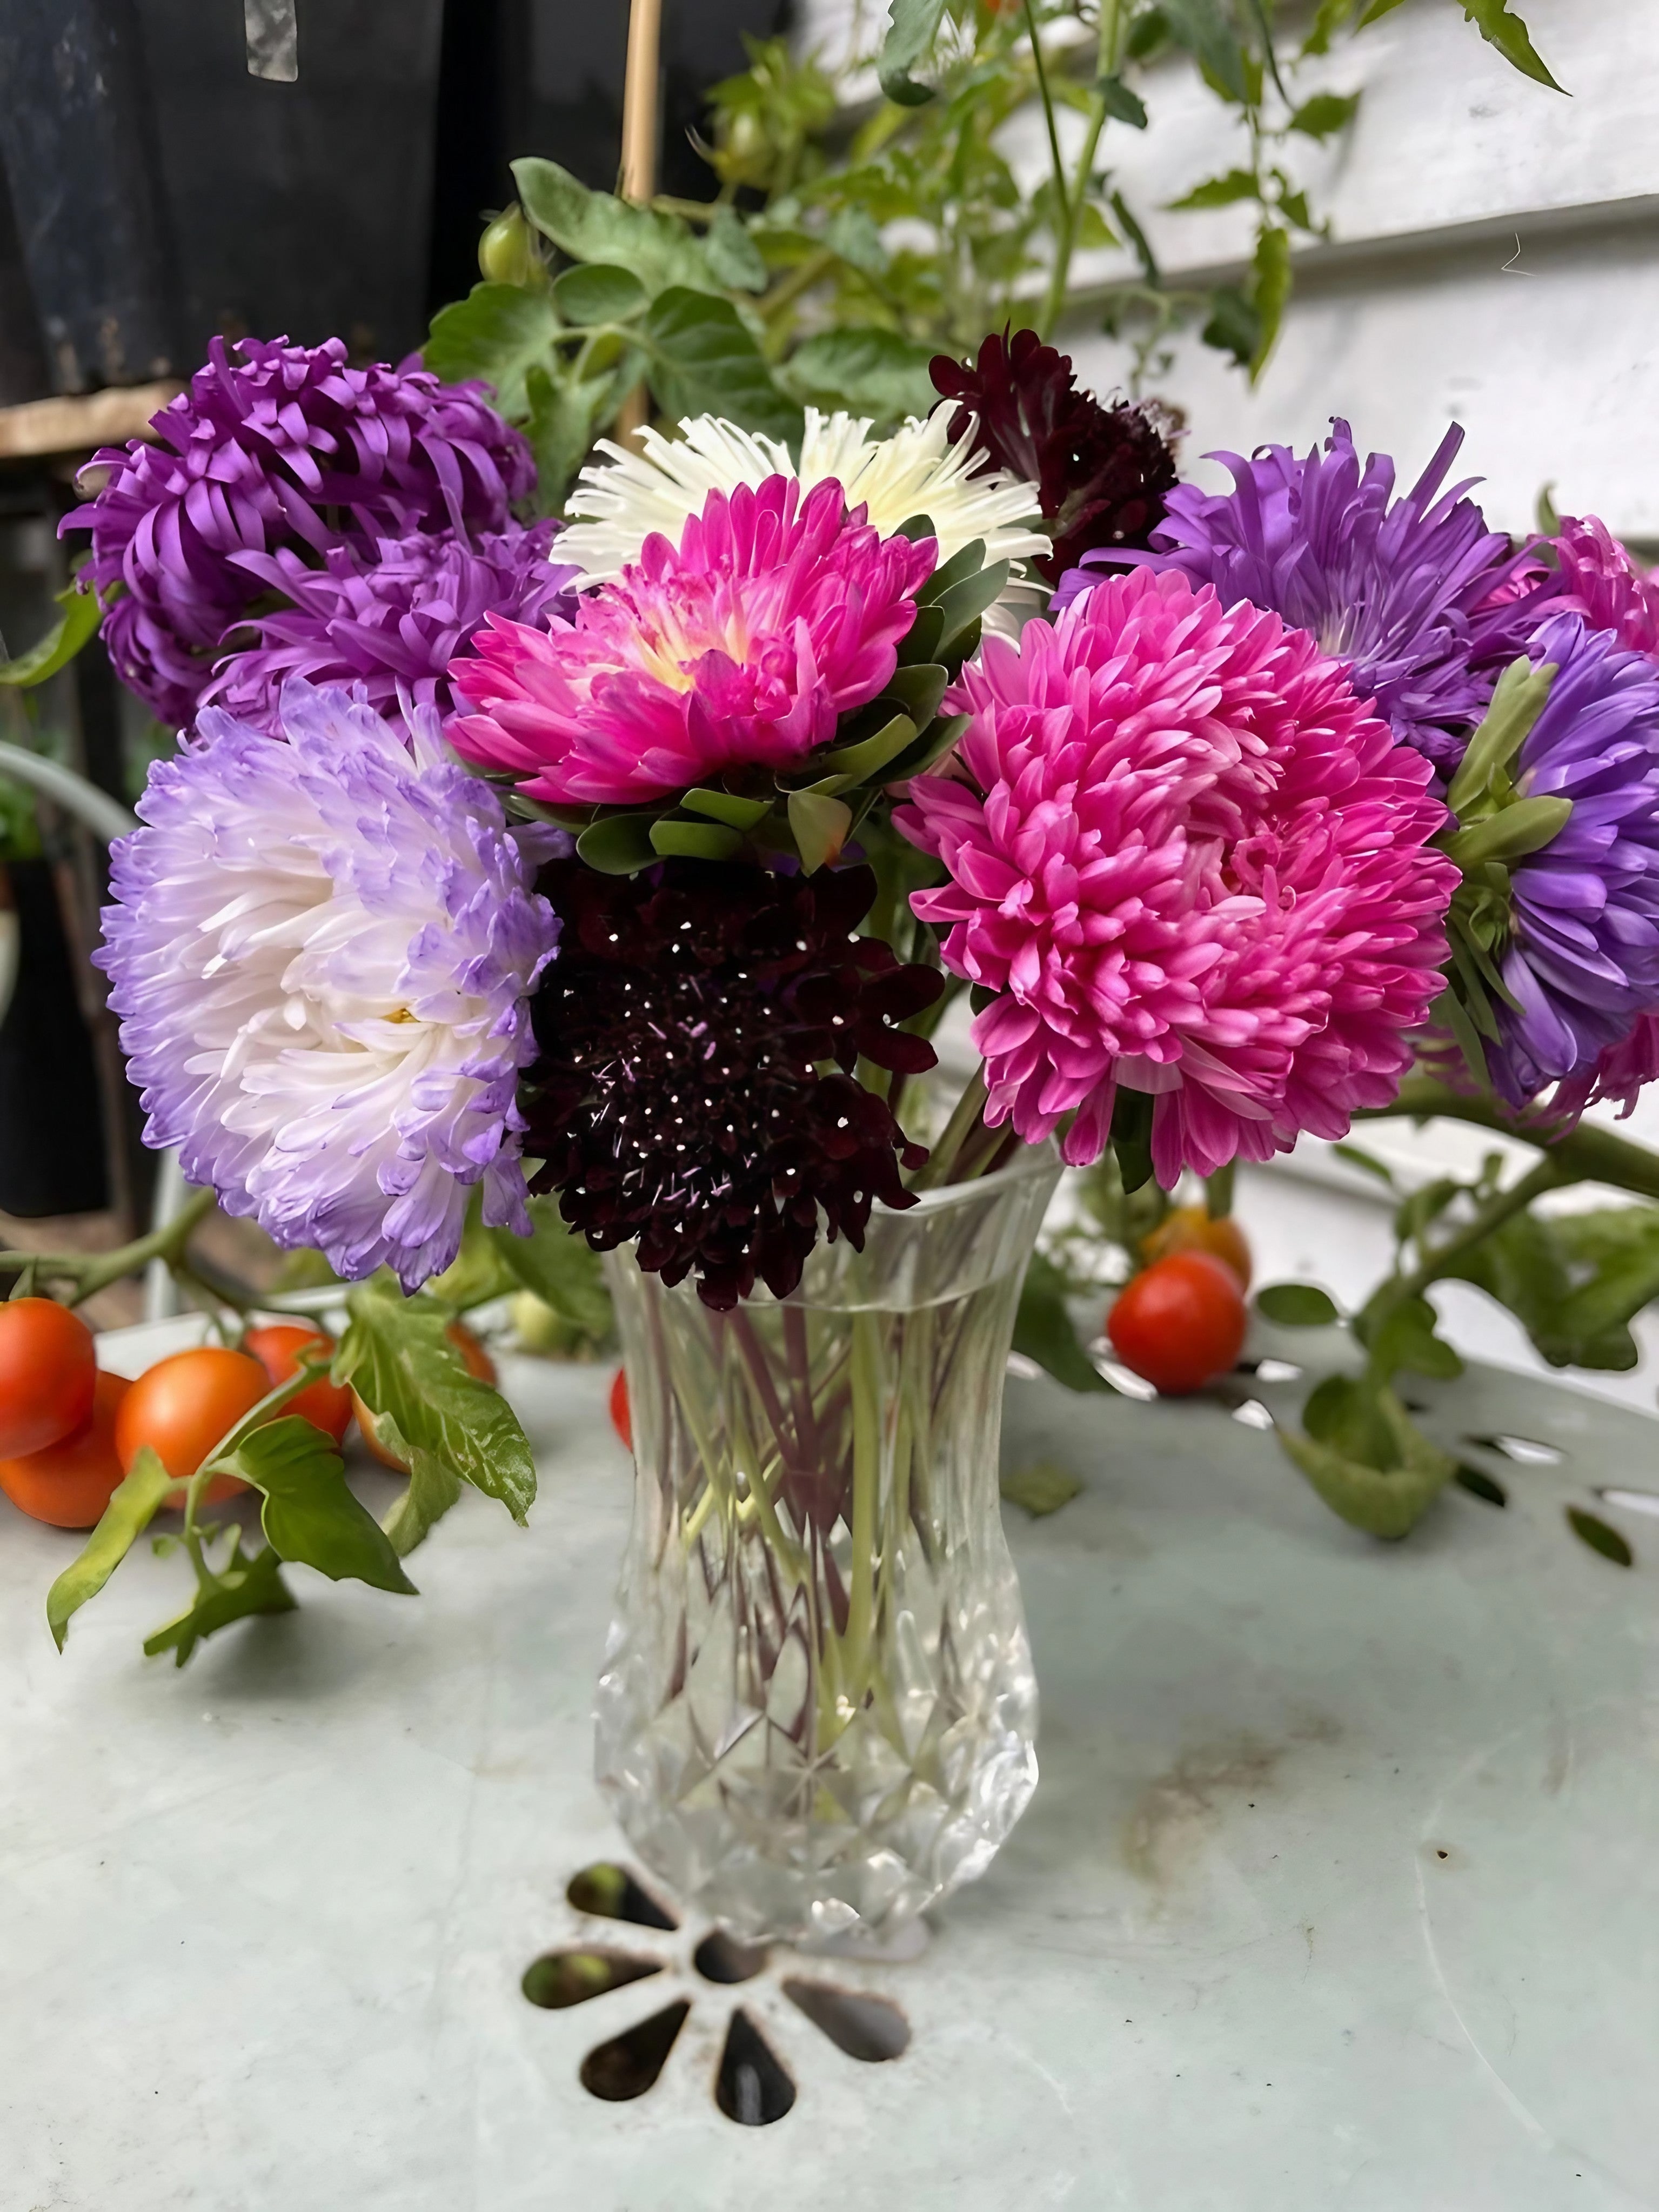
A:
[519,893]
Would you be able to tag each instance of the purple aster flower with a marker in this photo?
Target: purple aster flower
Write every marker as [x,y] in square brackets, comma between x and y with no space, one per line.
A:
[321,952]
[392,620]
[1583,961]
[1406,593]
[1622,1073]
[288,446]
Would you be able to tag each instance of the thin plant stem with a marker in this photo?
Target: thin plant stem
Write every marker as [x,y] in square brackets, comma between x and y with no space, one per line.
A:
[90,1272]
[1585,1154]
[867,1485]
[936,1167]
[1062,192]
[1439,1259]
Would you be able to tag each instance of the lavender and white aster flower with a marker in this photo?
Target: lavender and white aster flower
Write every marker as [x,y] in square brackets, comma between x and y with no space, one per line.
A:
[1412,595]
[321,952]
[1583,963]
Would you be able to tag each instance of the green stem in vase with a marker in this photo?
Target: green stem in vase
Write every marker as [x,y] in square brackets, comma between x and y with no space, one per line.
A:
[867,1489]
[965,1117]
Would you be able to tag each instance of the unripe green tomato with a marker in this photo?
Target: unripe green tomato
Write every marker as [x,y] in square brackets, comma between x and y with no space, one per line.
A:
[507,251]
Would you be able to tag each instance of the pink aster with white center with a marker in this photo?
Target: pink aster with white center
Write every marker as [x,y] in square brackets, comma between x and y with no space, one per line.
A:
[1190,861]
[744,644]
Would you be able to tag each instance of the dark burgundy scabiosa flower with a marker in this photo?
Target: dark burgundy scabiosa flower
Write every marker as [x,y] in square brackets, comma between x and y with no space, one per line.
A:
[393,618]
[283,446]
[1103,472]
[681,1097]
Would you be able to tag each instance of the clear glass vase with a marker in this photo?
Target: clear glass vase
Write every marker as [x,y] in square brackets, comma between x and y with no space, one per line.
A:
[817,1713]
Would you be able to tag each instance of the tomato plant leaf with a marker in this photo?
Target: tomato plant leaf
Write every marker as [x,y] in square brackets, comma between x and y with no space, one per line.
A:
[431,1490]
[1043,1329]
[310,1514]
[240,1588]
[498,332]
[561,1268]
[396,1355]
[589,226]
[703,360]
[1502,28]
[1296,1306]
[1043,1487]
[1363,1454]
[133,1505]
[911,33]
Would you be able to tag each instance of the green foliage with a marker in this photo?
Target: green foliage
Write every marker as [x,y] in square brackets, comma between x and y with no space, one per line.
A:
[396,1353]
[1041,1488]
[132,1507]
[1296,1306]
[1043,1329]
[77,624]
[1365,1457]
[704,359]
[239,1588]
[310,1515]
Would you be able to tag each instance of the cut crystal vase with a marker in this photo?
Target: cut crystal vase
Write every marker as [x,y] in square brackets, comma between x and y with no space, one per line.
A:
[817,1714]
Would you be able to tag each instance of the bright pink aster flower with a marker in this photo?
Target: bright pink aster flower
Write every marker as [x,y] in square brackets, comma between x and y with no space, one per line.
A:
[1622,1072]
[773,615]
[1599,581]
[1189,860]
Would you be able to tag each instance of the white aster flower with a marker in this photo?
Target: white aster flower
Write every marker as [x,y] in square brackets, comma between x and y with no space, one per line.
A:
[916,471]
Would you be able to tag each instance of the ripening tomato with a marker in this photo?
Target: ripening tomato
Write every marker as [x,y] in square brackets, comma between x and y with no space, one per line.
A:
[478,1362]
[47,1367]
[622,1420]
[184,1405]
[68,1484]
[276,1345]
[1179,1322]
[1189,1228]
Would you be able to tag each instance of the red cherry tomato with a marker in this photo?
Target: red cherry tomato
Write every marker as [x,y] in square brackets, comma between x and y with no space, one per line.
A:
[68,1484]
[622,1420]
[478,1362]
[47,1366]
[276,1345]
[183,1406]
[1180,1322]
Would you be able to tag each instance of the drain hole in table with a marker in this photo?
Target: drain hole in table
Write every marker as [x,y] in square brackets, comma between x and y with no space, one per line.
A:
[1481,1484]
[862,2027]
[1525,1449]
[751,2086]
[612,1894]
[571,1978]
[627,2065]
[722,1958]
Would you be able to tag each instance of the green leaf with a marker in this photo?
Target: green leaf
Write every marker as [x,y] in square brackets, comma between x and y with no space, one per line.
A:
[1270,290]
[1296,1306]
[133,1505]
[852,232]
[1131,1138]
[597,292]
[1506,31]
[695,841]
[397,1354]
[856,762]
[1233,326]
[1325,115]
[1201,26]
[429,1493]
[561,1268]
[592,226]
[563,421]
[1516,703]
[931,746]
[1043,1330]
[703,361]
[1348,1428]
[1041,1487]
[1122,105]
[725,806]
[1591,1530]
[76,626]
[1219,192]
[310,1514]
[965,562]
[238,1590]
[820,825]
[617,844]
[964,603]
[911,35]
[1368,1163]
[1376,10]
[1405,1337]
[869,371]
[1546,520]
[1526,826]
[498,332]
[1328,19]
[734,259]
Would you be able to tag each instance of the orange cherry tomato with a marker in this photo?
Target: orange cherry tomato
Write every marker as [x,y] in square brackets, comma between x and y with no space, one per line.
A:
[47,1368]
[622,1419]
[68,1484]
[276,1345]
[478,1362]
[184,1405]
[1179,1322]
[1189,1228]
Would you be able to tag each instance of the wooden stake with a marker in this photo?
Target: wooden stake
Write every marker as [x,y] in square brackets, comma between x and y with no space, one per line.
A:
[641,131]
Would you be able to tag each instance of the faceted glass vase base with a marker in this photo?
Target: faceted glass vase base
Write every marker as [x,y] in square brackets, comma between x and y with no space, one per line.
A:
[817,1714]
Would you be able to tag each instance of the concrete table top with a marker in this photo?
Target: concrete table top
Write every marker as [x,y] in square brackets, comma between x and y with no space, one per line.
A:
[1339,1892]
